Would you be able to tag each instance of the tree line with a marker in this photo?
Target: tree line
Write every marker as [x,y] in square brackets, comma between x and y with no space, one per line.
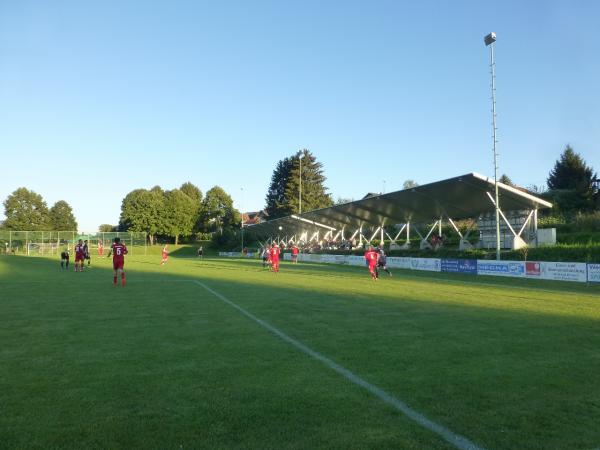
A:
[27,210]
[572,186]
[182,212]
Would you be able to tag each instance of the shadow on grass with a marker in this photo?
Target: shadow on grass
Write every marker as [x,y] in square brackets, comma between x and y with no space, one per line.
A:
[506,368]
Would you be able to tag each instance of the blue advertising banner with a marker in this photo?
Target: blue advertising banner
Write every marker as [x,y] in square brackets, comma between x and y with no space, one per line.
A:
[459,265]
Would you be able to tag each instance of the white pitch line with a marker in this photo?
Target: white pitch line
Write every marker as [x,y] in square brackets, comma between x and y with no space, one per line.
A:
[457,440]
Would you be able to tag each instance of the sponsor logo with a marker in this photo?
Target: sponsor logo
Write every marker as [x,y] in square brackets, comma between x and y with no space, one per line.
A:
[532,269]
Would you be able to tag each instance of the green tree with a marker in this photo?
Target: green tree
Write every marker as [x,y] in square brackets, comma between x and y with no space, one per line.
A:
[570,182]
[342,200]
[193,192]
[277,205]
[107,228]
[217,212]
[61,217]
[283,196]
[180,214]
[314,192]
[504,179]
[409,184]
[26,210]
[143,211]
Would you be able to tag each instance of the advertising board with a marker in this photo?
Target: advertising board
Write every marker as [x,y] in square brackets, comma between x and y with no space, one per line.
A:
[501,268]
[533,269]
[356,260]
[398,262]
[593,273]
[563,271]
[459,266]
[429,264]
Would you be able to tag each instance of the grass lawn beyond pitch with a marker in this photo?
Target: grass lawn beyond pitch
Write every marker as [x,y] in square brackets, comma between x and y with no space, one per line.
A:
[164,363]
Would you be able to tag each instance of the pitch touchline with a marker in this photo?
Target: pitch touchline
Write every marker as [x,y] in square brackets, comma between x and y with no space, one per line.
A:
[457,440]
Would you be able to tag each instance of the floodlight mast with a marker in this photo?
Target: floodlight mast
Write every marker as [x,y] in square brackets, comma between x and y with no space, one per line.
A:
[489,40]
[242,231]
[300,184]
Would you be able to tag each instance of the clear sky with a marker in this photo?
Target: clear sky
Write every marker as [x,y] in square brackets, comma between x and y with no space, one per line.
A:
[99,98]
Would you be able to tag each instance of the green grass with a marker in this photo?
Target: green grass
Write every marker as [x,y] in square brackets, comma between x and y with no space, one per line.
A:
[164,364]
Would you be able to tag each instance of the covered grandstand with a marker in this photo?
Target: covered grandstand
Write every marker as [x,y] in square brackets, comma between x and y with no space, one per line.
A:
[421,210]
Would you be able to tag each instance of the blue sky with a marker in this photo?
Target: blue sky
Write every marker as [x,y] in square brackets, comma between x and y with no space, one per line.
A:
[99,98]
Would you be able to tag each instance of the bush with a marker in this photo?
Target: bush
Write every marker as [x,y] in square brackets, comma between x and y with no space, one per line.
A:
[589,253]
[579,237]
[227,240]
[588,222]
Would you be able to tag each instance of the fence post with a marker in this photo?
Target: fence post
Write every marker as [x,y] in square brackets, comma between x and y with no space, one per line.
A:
[10,240]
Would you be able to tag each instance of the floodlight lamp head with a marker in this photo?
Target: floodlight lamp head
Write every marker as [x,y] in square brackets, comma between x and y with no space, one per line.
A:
[490,38]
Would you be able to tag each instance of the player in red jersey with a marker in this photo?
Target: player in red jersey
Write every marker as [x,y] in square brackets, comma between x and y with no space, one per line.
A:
[295,252]
[275,257]
[371,256]
[118,251]
[100,248]
[165,255]
[79,256]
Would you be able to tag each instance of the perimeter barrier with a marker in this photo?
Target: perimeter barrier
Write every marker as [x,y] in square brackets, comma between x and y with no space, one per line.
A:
[541,270]
[41,243]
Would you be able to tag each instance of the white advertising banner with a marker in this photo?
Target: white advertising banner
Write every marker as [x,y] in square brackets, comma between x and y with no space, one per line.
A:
[563,271]
[593,273]
[398,262]
[430,264]
[501,268]
[334,259]
[356,260]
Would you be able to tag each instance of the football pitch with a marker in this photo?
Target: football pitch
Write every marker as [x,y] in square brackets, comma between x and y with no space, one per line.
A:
[219,353]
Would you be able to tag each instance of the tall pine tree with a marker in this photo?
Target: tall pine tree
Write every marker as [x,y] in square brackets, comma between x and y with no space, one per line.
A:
[276,200]
[283,197]
[571,182]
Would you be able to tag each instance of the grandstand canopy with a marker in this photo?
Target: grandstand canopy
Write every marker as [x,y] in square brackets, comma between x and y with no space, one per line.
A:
[462,197]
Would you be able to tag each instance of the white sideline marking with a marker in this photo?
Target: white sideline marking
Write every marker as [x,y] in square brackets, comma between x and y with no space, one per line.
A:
[457,440]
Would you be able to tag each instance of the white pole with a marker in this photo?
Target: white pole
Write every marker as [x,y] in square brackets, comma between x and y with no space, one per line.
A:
[300,185]
[242,189]
[490,40]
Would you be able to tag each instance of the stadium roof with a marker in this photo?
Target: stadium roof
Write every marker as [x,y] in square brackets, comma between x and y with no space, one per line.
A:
[466,196]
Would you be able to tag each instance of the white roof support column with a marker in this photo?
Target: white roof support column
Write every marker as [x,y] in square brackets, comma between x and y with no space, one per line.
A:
[374,234]
[464,244]
[535,225]
[304,236]
[518,241]
[424,243]
[526,222]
